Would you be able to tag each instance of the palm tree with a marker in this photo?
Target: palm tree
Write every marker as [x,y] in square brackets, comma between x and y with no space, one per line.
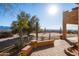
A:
[33,21]
[24,24]
[35,25]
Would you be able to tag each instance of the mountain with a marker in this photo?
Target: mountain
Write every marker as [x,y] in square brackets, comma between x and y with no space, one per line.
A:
[5,28]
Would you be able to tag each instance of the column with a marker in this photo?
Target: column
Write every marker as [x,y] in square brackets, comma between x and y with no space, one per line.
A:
[78,30]
[64,27]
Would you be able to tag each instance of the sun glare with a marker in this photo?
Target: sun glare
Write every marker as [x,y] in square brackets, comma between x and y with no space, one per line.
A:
[53,9]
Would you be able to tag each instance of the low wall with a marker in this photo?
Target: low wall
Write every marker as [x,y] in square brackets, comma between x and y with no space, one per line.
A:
[26,50]
[45,43]
[42,43]
[35,44]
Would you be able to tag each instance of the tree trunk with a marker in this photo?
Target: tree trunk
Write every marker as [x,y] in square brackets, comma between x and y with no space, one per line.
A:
[20,41]
[36,30]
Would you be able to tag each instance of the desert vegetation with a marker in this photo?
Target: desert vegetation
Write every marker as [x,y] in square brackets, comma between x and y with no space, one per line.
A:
[5,34]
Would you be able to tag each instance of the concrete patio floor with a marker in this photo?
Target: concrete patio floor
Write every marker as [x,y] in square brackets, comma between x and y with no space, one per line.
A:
[57,50]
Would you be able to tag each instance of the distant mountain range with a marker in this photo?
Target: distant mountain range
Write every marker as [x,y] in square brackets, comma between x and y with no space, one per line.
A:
[4,28]
[58,31]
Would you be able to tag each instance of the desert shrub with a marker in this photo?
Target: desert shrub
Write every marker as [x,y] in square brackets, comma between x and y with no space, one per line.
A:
[42,37]
[20,43]
[14,31]
[31,37]
[5,34]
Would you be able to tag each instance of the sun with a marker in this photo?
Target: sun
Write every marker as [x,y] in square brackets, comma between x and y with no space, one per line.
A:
[53,9]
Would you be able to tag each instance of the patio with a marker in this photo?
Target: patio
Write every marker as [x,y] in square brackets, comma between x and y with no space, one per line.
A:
[57,50]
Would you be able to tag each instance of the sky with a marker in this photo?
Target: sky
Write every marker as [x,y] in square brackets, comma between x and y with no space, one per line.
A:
[41,10]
